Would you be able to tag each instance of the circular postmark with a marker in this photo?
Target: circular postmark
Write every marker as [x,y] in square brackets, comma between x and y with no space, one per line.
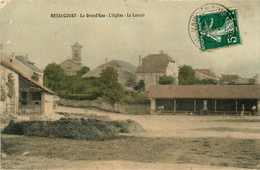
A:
[212,26]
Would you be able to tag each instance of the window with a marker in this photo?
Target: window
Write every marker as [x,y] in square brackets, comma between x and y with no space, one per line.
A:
[76,54]
[24,95]
[36,96]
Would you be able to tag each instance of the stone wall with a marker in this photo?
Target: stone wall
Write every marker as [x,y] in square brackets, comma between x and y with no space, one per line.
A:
[135,109]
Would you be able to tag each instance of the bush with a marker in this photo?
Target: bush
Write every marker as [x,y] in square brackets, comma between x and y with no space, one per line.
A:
[89,129]
[127,126]
[135,98]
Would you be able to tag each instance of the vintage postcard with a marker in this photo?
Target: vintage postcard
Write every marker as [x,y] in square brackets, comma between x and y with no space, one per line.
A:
[130,84]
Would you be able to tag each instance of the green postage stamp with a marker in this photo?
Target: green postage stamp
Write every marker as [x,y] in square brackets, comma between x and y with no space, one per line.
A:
[218,29]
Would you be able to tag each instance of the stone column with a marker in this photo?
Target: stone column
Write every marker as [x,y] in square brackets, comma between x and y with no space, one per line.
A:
[194,107]
[153,106]
[174,105]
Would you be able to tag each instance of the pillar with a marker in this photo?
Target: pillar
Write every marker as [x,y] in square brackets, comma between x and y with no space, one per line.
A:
[174,105]
[215,105]
[236,105]
[153,106]
[194,107]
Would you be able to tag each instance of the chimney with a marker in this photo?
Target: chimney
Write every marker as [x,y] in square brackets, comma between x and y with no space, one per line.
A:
[13,54]
[140,59]
[161,52]
[106,59]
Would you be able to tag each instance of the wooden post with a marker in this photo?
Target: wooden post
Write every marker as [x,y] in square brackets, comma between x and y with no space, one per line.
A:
[236,106]
[174,105]
[215,105]
[194,107]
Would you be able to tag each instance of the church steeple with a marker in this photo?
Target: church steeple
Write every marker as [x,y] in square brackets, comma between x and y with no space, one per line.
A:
[76,52]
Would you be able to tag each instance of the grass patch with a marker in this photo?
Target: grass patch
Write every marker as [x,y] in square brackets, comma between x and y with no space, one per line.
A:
[88,129]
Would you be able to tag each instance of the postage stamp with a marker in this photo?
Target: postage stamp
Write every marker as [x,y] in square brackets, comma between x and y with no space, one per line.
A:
[214,26]
[218,30]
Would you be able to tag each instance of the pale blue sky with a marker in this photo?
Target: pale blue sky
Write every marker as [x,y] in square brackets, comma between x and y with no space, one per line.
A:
[26,28]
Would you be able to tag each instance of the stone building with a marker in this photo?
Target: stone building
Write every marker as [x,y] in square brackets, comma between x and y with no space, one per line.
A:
[229,78]
[36,71]
[211,98]
[21,94]
[155,65]
[126,72]
[206,74]
[71,66]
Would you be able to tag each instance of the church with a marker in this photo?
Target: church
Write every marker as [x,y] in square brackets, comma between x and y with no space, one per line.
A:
[71,66]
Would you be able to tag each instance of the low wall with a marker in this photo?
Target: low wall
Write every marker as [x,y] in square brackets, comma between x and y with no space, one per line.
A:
[135,109]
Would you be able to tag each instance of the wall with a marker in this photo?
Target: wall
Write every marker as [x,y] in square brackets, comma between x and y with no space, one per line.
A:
[107,106]
[10,105]
[173,70]
[149,78]
[69,67]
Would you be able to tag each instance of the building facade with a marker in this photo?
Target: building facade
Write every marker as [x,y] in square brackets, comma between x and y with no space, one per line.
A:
[211,98]
[206,74]
[71,66]
[37,73]
[155,65]
[20,94]
[126,75]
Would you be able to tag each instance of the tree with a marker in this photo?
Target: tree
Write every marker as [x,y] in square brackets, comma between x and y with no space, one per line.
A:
[166,79]
[3,97]
[140,87]
[186,75]
[111,89]
[82,71]
[53,75]
[10,85]
[35,77]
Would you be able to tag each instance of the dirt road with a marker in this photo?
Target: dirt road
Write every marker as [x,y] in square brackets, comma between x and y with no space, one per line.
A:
[169,142]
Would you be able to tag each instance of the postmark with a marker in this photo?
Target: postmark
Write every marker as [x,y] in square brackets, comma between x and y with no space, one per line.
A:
[214,26]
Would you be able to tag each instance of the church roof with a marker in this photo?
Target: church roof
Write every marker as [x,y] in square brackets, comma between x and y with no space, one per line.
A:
[76,45]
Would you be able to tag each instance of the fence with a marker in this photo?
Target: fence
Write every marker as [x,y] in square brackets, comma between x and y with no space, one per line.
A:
[136,109]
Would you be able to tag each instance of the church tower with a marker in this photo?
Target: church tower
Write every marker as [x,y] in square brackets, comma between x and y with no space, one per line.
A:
[76,53]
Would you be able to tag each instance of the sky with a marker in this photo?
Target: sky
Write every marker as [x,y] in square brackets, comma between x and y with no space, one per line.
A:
[27,28]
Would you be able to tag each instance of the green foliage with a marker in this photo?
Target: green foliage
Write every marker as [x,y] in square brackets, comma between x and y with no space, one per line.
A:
[135,98]
[82,71]
[10,85]
[53,75]
[35,77]
[3,97]
[140,87]
[166,80]
[186,75]
[206,82]
[77,88]
[111,89]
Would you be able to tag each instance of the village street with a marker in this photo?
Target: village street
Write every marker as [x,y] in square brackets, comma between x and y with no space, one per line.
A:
[169,142]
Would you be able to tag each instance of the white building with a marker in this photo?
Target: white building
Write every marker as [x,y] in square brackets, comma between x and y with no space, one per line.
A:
[155,65]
